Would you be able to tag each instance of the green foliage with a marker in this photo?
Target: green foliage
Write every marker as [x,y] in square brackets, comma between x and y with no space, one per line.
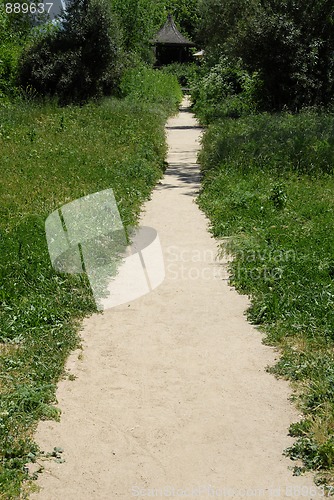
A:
[14,29]
[9,57]
[14,26]
[291,47]
[268,43]
[267,185]
[139,20]
[60,154]
[218,22]
[186,14]
[80,60]
[185,73]
[225,90]
[144,84]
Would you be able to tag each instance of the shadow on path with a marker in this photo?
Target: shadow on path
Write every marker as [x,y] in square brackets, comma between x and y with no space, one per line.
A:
[186,173]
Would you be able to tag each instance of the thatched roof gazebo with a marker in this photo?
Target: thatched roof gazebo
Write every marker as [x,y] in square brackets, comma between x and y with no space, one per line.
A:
[170,45]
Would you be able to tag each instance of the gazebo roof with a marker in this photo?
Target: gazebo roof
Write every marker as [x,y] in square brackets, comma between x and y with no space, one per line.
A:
[170,35]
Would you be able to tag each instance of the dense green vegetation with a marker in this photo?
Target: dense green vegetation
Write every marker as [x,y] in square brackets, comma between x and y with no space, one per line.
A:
[185,73]
[84,55]
[142,85]
[225,89]
[13,32]
[290,44]
[77,61]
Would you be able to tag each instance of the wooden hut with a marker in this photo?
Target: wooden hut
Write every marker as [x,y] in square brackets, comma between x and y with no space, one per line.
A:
[170,45]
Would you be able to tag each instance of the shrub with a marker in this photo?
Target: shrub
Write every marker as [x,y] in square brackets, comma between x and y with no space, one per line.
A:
[9,56]
[78,61]
[185,73]
[225,90]
[14,29]
[291,47]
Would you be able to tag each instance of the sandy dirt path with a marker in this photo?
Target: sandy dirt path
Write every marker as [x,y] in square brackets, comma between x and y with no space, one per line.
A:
[171,398]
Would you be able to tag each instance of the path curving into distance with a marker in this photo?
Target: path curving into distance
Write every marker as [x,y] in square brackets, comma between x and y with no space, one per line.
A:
[171,398]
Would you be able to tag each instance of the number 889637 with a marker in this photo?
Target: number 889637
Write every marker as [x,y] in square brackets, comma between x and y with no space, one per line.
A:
[25,8]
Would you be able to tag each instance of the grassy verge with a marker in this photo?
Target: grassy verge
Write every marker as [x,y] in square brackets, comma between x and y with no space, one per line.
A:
[268,184]
[50,156]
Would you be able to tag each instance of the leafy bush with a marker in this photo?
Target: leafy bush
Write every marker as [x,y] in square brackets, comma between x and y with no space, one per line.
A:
[78,61]
[293,57]
[9,57]
[219,22]
[290,47]
[14,29]
[225,90]
[185,73]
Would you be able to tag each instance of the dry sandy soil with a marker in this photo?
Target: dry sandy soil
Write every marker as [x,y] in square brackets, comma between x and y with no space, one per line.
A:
[171,398]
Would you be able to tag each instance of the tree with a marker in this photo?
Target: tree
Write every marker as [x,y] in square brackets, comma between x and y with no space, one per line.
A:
[292,45]
[186,15]
[289,43]
[139,20]
[14,29]
[218,21]
[79,60]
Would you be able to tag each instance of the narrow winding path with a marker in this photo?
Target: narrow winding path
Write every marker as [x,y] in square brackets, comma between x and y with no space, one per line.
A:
[171,391]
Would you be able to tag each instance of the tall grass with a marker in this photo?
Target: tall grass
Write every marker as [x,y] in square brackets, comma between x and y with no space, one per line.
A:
[139,84]
[50,156]
[268,185]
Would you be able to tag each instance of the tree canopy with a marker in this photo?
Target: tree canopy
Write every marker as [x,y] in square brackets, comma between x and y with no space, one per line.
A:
[287,43]
[290,44]
[80,59]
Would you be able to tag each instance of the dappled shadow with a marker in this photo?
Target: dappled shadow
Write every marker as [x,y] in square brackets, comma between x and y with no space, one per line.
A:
[183,171]
[186,173]
[181,152]
[186,109]
[183,127]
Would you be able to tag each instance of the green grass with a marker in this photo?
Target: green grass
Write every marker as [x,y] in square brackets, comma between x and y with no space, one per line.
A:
[139,84]
[268,185]
[51,156]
